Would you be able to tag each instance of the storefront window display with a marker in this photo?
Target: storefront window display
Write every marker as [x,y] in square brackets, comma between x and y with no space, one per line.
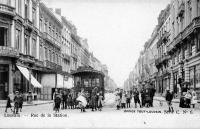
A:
[197,74]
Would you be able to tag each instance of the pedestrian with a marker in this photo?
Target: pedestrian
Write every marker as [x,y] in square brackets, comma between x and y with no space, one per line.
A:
[20,101]
[57,102]
[147,98]
[100,101]
[70,101]
[152,93]
[118,101]
[16,102]
[194,98]
[136,97]
[188,97]
[169,97]
[94,99]
[63,98]
[8,104]
[143,97]
[82,100]
[123,100]
[128,99]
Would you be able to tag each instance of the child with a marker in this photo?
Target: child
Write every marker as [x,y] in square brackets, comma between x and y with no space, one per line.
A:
[16,102]
[123,102]
[8,105]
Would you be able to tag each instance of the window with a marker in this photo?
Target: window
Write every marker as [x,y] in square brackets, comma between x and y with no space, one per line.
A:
[34,16]
[26,45]
[45,27]
[190,11]
[26,8]
[18,39]
[34,47]
[50,55]
[197,76]
[53,57]
[198,42]
[191,45]
[46,53]
[183,52]
[191,77]
[198,7]
[41,25]
[41,52]
[20,7]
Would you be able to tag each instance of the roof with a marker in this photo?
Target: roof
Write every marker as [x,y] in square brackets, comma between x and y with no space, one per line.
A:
[86,69]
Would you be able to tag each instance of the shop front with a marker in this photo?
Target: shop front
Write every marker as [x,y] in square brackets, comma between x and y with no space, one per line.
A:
[194,78]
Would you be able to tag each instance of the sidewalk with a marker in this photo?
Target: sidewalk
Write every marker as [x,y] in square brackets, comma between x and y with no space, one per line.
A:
[35,103]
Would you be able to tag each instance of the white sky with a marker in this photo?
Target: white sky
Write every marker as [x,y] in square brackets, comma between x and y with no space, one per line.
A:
[116,29]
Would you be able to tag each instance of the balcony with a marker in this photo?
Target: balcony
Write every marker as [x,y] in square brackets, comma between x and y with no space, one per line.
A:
[163,39]
[66,56]
[28,24]
[27,58]
[162,60]
[51,40]
[8,52]
[6,9]
[38,62]
[53,66]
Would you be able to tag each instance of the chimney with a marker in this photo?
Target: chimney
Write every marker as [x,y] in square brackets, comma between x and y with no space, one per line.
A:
[58,11]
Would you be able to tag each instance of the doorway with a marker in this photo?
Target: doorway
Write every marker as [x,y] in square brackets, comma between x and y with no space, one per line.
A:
[3,81]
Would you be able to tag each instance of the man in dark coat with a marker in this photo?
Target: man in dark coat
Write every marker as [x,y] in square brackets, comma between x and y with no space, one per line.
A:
[169,97]
[143,97]
[136,97]
[152,93]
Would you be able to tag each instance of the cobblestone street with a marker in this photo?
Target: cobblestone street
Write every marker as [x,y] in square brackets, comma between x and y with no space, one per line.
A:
[109,117]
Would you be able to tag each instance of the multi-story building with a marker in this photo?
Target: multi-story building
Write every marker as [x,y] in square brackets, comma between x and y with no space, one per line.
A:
[50,51]
[75,43]
[19,47]
[184,48]
[85,55]
[163,59]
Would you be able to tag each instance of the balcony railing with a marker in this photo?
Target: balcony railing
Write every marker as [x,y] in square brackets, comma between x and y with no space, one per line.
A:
[8,52]
[27,58]
[28,24]
[53,66]
[66,56]
[52,40]
[159,61]
[7,9]
[182,35]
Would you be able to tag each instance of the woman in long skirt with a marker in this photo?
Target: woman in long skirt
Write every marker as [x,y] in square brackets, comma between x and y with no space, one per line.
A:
[8,104]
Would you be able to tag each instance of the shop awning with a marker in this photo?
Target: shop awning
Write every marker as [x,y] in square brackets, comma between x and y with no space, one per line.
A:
[49,80]
[25,72]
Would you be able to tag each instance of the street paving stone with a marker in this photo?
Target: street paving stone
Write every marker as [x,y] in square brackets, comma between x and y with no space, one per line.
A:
[155,117]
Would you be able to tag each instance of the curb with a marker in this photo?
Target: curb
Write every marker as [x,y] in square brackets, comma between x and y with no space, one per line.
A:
[28,105]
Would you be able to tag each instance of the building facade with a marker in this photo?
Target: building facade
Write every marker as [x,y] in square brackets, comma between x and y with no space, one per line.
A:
[185,46]
[19,47]
[176,55]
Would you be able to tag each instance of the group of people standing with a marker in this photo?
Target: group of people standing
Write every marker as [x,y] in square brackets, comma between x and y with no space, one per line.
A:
[144,98]
[81,100]
[18,103]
